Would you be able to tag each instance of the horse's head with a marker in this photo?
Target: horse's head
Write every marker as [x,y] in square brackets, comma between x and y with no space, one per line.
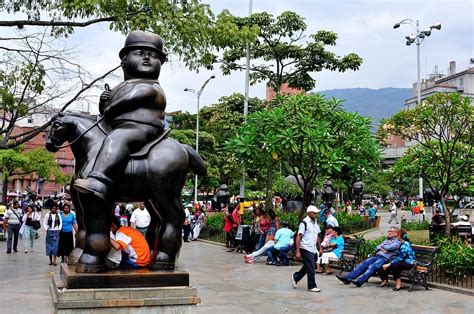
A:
[57,133]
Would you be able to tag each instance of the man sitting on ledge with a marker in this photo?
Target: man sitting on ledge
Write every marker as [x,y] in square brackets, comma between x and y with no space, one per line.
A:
[384,252]
[129,248]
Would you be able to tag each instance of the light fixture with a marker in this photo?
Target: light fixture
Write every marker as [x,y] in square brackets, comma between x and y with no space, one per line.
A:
[436,25]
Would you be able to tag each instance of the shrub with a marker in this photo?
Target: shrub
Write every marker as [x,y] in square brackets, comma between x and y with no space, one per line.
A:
[367,247]
[351,223]
[215,222]
[455,258]
[292,218]
[414,225]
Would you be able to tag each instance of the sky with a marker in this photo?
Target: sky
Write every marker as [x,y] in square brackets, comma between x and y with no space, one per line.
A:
[363,27]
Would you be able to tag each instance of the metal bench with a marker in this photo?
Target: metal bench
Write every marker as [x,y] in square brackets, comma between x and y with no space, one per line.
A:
[424,256]
[350,254]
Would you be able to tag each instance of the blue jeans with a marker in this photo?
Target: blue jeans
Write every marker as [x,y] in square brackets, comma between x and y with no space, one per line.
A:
[367,268]
[283,254]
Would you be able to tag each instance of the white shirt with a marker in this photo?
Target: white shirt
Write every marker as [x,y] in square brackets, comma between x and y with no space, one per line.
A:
[114,255]
[12,218]
[310,235]
[53,219]
[332,221]
[393,209]
[141,218]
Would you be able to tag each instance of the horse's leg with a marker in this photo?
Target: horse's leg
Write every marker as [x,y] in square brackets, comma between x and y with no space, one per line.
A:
[154,227]
[97,219]
[81,232]
[169,239]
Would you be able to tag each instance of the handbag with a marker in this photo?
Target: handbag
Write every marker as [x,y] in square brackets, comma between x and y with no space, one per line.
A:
[36,224]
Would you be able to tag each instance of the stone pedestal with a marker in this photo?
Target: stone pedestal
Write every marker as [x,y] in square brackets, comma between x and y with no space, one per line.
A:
[134,292]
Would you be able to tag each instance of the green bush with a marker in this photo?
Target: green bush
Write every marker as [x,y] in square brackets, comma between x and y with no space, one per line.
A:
[367,247]
[414,225]
[351,223]
[215,222]
[292,218]
[455,258]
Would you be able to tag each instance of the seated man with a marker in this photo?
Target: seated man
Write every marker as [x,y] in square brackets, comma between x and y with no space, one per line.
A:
[133,246]
[384,252]
[283,244]
[330,219]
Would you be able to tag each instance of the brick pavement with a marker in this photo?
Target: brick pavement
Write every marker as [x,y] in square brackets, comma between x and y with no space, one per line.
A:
[227,285]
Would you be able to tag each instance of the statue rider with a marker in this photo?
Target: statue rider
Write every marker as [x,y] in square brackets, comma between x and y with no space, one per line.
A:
[358,191]
[134,111]
[327,193]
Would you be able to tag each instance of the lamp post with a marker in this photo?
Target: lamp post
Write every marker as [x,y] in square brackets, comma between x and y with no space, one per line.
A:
[198,96]
[418,39]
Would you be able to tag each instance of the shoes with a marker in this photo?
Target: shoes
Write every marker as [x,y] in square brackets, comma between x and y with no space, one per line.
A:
[343,279]
[383,285]
[314,290]
[15,250]
[397,289]
[328,273]
[26,251]
[358,284]
[293,281]
[91,186]
[248,256]
[250,261]
[9,252]
[271,263]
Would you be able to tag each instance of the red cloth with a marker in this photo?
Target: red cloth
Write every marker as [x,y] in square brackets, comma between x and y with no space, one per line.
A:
[227,224]
[236,217]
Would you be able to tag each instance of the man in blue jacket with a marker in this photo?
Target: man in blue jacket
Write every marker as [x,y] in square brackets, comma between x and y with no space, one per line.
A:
[384,252]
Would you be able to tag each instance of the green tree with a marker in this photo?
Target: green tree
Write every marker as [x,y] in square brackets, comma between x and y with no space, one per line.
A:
[33,64]
[310,137]
[286,59]
[442,125]
[37,163]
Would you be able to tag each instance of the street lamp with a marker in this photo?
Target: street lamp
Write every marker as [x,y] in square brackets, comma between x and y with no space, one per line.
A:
[198,96]
[418,39]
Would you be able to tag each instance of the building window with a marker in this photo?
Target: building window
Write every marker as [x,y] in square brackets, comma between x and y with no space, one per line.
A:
[461,82]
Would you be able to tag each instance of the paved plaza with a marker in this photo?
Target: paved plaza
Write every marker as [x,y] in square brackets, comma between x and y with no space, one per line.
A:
[227,285]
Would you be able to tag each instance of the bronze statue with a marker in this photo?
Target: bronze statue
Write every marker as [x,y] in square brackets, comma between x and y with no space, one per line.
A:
[221,198]
[126,156]
[327,194]
[358,191]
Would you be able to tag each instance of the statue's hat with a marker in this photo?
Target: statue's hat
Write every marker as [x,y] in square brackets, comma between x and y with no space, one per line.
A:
[141,39]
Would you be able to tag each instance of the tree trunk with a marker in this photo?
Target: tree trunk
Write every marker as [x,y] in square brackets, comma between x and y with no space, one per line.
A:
[5,188]
[269,192]
[447,216]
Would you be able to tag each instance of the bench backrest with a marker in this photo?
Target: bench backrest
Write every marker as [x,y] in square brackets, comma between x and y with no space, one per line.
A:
[351,246]
[424,254]
[463,230]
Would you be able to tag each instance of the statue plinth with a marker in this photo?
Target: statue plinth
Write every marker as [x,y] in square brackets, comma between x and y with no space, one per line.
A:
[123,291]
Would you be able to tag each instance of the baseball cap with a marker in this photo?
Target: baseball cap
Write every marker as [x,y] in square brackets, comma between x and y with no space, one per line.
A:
[312,208]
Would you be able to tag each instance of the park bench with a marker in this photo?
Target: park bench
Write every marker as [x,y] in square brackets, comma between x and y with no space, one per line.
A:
[420,271]
[350,255]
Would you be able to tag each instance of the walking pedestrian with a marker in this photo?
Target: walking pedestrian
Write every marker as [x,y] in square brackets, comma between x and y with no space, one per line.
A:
[140,219]
[52,224]
[307,247]
[393,212]
[12,224]
[66,237]
[27,229]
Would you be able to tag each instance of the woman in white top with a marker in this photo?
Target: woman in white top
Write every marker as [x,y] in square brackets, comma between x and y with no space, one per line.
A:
[27,230]
[53,224]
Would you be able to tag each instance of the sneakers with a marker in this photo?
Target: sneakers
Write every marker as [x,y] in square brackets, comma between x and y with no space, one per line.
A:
[248,256]
[271,263]
[314,290]
[293,282]
[343,279]
[249,261]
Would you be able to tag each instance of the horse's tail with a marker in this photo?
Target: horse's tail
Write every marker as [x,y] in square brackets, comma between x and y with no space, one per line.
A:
[196,164]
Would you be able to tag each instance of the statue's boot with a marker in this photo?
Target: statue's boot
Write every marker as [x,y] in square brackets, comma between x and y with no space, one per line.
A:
[92,186]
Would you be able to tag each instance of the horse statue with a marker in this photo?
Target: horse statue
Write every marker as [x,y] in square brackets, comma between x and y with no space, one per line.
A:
[155,175]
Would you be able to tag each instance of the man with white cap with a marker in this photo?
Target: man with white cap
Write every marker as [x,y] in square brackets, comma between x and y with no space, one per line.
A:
[463,221]
[307,247]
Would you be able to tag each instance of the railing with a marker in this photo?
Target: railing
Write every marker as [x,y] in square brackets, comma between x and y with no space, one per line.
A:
[218,236]
[446,279]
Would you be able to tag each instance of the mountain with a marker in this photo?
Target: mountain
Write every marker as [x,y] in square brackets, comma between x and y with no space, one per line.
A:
[374,103]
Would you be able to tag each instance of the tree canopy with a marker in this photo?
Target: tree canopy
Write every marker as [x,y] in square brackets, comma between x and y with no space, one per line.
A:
[309,136]
[442,125]
[285,54]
